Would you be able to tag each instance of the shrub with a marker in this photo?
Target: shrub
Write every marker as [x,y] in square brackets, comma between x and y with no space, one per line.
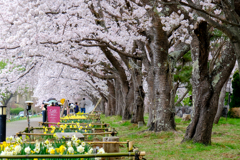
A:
[15,111]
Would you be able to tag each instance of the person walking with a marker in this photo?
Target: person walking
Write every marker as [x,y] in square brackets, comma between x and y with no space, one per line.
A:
[83,105]
[76,108]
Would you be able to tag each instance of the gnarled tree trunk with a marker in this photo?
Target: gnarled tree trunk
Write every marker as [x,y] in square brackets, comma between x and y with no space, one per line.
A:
[206,86]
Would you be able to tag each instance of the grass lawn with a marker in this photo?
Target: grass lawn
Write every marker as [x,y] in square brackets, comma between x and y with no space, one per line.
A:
[167,145]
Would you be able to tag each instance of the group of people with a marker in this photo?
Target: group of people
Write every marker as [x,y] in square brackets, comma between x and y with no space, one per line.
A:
[74,108]
[69,107]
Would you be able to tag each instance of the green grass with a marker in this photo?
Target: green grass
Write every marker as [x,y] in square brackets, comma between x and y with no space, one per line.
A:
[167,145]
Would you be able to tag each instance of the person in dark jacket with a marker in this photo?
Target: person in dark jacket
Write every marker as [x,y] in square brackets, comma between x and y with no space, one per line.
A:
[76,108]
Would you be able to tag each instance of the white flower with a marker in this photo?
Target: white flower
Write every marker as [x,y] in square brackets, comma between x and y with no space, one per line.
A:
[101,151]
[37,150]
[182,39]
[181,17]
[37,145]
[9,153]
[3,153]
[90,151]
[7,149]
[148,7]
[80,149]
[11,138]
[70,150]
[76,144]
[69,143]
[18,149]
[83,144]
[74,138]
[27,150]
[49,146]
[188,41]
[19,140]
[217,11]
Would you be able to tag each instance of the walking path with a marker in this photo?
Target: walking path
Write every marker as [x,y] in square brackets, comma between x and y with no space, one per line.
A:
[16,126]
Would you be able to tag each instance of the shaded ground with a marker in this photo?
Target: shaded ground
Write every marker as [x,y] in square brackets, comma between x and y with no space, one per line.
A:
[16,126]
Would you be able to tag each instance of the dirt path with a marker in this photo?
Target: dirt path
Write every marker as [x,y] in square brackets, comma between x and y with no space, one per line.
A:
[16,126]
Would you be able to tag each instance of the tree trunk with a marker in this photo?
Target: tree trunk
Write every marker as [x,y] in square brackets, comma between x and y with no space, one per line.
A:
[206,86]
[151,97]
[128,100]
[138,111]
[111,98]
[139,95]
[118,96]
[221,103]
[164,113]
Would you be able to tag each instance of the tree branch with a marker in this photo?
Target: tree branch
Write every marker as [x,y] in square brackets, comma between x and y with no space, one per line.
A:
[95,74]
[191,5]
[180,99]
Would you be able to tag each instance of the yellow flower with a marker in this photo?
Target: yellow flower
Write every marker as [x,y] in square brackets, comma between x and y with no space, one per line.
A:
[76,131]
[52,151]
[85,130]
[57,150]
[90,125]
[53,131]
[45,132]
[47,141]
[62,131]
[35,158]
[62,149]
[32,151]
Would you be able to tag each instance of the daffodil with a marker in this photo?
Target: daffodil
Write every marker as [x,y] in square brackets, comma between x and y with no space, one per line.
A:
[69,143]
[51,150]
[27,150]
[74,138]
[62,149]
[18,148]
[47,141]
[70,150]
[36,150]
[80,149]
[83,144]
[90,151]
[57,150]
[101,151]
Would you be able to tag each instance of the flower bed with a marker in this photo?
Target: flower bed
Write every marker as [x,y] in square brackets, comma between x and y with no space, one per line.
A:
[57,147]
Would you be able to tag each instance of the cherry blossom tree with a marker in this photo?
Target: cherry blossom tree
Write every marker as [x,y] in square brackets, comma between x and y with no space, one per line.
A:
[110,44]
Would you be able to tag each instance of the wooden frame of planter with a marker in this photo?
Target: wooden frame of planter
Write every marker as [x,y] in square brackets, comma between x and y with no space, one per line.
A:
[50,134]
[123,154]
[81,124]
